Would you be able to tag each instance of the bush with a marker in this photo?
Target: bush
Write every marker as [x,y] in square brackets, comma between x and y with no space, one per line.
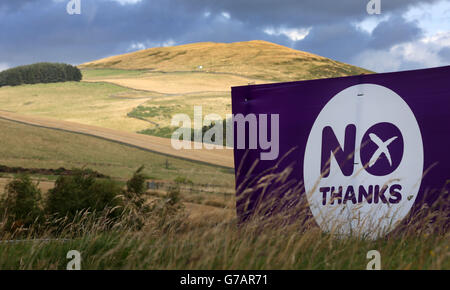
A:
[136,188]
[167,132]
[83,191]
[183,180]
[40,73]
[137,184]
[20,204]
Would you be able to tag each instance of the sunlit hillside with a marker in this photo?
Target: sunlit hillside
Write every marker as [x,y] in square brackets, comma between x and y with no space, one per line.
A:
[254,59]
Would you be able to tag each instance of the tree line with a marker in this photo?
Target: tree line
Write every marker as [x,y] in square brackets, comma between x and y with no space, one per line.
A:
[43,72]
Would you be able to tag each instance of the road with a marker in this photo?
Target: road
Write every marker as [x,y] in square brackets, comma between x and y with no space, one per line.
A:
[223,158]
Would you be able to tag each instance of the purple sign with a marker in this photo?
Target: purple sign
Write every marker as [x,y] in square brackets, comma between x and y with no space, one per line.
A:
[364,151]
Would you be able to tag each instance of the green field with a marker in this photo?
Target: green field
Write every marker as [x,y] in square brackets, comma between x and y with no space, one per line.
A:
[159,110]
[100,104]
[109,105]
[32,147]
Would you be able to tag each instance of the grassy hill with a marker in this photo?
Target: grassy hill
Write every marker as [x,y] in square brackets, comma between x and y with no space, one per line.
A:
[141,91]
[253,59]
[202,74]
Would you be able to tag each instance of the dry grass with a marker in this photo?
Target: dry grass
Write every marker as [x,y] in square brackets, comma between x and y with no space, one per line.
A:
[216,240]
[43,184]
[253,59]
[179,82]
[175,73]
[167,77]
[166,107]
[222,158]
[202,237]
[107,105]
[97,74]
[198,206]
[32,147]
[100,104]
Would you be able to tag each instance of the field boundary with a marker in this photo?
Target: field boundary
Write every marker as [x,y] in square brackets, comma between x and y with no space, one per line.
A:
[220,158]
[110,82]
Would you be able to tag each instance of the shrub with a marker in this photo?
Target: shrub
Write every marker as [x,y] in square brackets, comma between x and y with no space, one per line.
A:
[167,132]
[135,211]
[82,191]
[136,188]
[173,196]
[183,180]
[20,204]
[168,212]
[137,184]
[40,73]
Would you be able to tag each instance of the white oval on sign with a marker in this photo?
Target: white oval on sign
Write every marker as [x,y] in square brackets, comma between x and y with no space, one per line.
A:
[363,162]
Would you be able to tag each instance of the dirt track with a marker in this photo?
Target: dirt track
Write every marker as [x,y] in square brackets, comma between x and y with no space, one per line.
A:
[222,158]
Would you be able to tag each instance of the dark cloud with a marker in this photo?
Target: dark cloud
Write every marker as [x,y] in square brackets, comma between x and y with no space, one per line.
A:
[342,40]
[396,30]
[445,54]
[34,30]
[337,41]
[295,12]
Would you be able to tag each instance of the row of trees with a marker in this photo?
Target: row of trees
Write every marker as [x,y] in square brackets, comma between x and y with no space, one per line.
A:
[40,73]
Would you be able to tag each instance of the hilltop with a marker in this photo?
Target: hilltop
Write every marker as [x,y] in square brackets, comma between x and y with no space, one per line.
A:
[142,90]
[253,59]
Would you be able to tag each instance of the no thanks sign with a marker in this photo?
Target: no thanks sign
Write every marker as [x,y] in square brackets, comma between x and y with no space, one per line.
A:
[365,151]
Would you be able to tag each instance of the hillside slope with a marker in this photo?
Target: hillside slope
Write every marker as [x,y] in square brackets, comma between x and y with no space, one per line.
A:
[223,158]
[253,59]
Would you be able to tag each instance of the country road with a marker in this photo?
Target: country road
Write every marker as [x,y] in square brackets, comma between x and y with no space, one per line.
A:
[223,158]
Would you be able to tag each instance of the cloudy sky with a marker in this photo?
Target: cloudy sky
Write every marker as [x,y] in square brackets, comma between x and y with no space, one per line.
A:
[408,34]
